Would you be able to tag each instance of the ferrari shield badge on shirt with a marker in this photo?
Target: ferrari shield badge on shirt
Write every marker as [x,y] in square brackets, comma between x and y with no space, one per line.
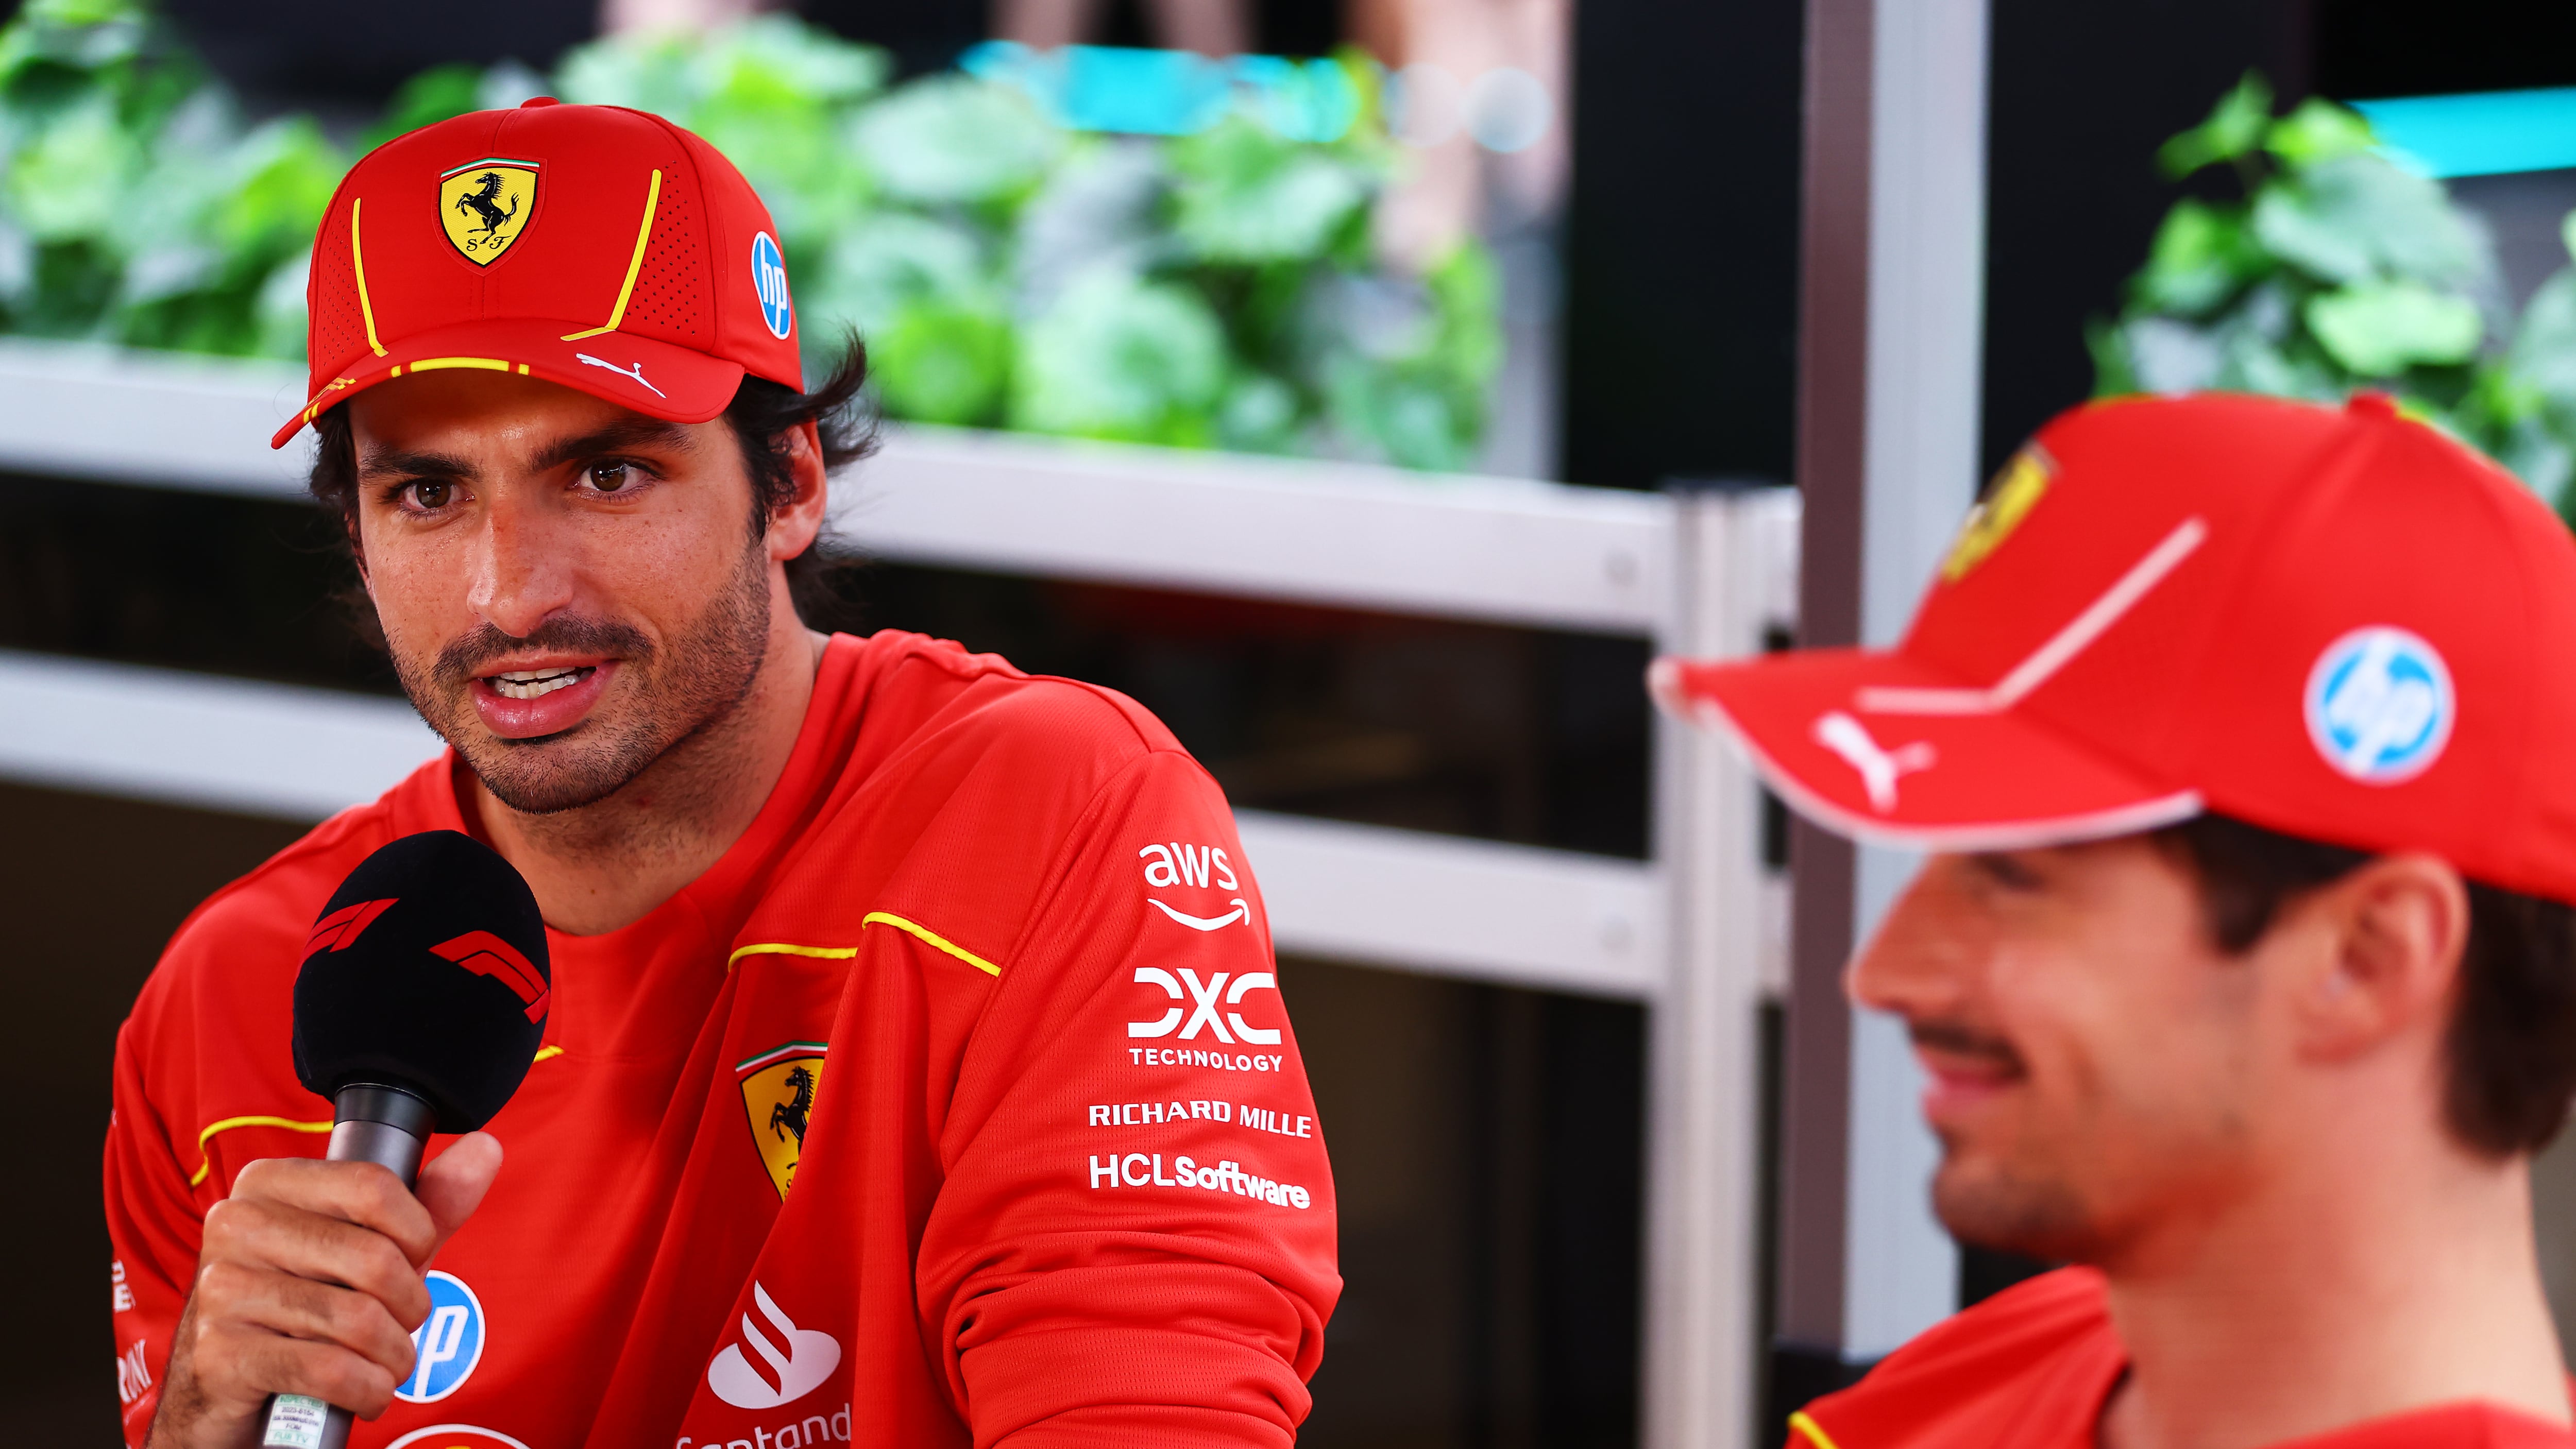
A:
[484,206]
[778,1089]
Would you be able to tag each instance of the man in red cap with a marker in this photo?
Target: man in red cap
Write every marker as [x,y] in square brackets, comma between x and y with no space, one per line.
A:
[916,1071]
[2242,968]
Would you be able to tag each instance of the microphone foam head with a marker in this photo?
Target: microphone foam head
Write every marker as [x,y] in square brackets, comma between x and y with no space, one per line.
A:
[427,971]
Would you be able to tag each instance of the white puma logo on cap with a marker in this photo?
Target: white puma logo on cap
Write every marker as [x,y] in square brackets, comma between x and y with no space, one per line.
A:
[636,372]
[1879,769]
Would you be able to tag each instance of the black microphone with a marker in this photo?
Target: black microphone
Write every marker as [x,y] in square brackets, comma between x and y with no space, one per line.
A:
[419,1007]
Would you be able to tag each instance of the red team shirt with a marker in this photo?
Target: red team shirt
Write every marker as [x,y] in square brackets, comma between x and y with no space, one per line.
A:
[2032,1367]
[956,1103]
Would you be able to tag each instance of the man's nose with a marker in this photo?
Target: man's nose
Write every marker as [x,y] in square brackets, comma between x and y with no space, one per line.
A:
[1919,961]
[523,576]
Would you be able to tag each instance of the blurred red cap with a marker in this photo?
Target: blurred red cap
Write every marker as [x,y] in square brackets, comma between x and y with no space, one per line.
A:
[594,246]
[2340,624]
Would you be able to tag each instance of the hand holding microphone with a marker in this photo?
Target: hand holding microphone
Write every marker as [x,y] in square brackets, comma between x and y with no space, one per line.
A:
[419,1007]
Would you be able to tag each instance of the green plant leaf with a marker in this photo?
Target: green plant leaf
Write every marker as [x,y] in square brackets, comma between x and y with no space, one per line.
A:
[2201,257]
[954,139]
[1245,195]
[2319,130]
[2235,128]
[936,363]
[2353,217]
[1120,357]
[2380,329]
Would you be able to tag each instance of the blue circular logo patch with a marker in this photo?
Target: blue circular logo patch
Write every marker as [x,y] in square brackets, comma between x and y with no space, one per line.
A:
[769,278]
[447,1345]
[2379,705]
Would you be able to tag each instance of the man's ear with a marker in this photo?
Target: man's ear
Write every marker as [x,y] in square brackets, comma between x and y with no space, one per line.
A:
[796,524]
[2394,932]
[358,552]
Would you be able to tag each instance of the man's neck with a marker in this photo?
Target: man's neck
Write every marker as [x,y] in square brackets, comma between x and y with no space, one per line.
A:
[2387,1285]
[608,865]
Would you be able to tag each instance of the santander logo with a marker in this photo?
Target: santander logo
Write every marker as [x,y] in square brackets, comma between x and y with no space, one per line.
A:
[807,1357]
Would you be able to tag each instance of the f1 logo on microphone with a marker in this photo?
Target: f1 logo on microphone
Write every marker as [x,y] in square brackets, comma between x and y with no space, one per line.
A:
[340,930]
[485,954]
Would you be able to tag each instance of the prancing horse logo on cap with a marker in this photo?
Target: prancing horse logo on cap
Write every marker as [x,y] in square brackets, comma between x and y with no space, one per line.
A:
[484,206]
[2379,705]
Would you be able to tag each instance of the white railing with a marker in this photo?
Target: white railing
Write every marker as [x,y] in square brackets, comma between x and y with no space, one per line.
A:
[1695,935]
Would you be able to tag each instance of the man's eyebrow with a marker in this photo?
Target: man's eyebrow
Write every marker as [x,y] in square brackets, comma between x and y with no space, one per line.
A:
[381,462]
[617,437]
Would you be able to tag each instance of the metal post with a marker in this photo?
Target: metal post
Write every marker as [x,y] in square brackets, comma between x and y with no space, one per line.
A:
[1890,356]
[1703,1121]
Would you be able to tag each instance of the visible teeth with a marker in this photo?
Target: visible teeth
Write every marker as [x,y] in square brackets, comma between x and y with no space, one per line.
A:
[533,683]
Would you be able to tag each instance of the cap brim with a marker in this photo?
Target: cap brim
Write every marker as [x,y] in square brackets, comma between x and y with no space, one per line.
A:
[657,379]
[1968,777]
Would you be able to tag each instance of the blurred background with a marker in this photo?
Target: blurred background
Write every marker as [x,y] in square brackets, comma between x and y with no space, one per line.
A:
[1368,387]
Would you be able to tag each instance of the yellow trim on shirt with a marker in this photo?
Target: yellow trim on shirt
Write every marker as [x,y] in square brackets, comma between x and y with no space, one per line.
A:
[888,918]
[1815,1433]
[782,948]
[206,1164]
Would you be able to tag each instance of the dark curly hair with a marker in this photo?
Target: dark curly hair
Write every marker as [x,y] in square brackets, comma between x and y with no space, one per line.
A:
[762,413]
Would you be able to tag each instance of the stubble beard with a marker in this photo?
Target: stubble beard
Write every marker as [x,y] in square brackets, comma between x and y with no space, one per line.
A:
[1991,1204]
[680,695]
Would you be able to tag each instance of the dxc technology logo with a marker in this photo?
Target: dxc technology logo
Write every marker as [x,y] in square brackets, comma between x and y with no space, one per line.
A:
[2379,705]
[447,1345]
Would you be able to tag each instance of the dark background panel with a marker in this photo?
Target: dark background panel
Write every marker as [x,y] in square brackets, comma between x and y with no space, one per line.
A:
[2081,96]
[2371,48]
[1681,241]
[91,889]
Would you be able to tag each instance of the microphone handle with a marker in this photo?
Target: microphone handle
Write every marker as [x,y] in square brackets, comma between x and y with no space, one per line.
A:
[388,1127]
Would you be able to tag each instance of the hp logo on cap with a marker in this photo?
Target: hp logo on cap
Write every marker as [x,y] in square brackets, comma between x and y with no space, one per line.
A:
[2379,705]
[769,276]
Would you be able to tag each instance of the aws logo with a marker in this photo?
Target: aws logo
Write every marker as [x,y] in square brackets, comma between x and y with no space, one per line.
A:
[1182,864]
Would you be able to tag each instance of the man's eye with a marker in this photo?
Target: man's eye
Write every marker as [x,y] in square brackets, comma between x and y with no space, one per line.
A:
[431,494]
[609,477]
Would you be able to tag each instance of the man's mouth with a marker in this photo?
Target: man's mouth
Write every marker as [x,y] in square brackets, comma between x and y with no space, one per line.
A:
[537,683]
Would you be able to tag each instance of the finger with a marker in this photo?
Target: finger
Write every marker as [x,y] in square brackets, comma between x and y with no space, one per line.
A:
[356,1192]
[245,1299]
[453,1184]
[270,1236]
[254,1361]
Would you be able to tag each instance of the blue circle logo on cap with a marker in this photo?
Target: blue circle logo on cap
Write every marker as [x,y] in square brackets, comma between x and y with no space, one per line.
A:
[2379,705]
[447,1345]
[769,278]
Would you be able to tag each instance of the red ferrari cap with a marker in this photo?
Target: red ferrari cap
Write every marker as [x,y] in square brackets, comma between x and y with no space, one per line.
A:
[2339,624]
[594,246]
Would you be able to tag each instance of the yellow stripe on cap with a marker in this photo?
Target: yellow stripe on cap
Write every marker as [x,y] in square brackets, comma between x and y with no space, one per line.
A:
[930,937]
[206,1164]
[358,264]
[634,264]
[433,364]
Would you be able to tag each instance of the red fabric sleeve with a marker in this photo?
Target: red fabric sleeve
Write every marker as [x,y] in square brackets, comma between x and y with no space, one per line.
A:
[1134,1244]
[154,1229]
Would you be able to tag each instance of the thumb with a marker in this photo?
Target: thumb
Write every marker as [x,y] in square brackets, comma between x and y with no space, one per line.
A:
[453,1184]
